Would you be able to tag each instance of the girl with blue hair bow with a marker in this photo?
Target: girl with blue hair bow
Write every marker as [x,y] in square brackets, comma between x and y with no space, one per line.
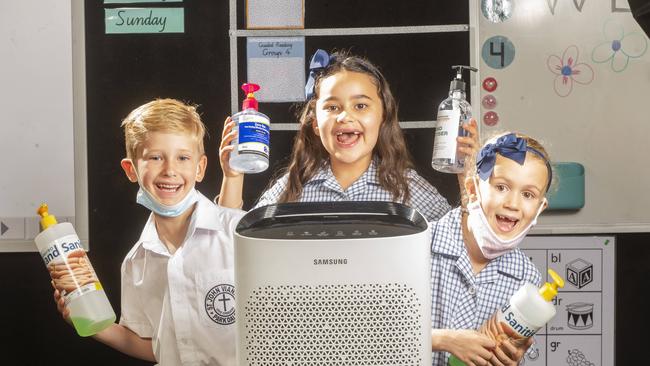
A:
[349,146]
[477,266]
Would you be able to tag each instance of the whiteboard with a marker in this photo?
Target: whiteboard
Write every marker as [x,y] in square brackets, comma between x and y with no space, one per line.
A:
[42,142]
[599,118]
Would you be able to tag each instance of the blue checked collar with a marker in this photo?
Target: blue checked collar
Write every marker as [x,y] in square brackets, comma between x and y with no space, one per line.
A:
[327,178]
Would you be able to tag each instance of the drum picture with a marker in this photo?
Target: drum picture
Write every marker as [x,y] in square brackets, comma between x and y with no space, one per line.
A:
[580,315]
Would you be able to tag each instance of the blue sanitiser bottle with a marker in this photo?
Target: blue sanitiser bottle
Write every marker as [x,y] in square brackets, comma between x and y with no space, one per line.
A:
[251,153]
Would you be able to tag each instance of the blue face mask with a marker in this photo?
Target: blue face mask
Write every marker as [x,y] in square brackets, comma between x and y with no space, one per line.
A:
[146,200]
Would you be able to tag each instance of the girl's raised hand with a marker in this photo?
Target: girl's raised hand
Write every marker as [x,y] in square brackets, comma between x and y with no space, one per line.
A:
[232,182]
[469,144]
[225,148]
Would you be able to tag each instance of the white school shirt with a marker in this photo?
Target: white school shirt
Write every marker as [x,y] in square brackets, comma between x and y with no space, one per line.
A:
[185,302]
[323,187]
[460,299]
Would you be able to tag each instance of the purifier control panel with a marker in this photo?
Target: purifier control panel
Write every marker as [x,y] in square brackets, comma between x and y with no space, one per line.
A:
[344,233]
[324,231]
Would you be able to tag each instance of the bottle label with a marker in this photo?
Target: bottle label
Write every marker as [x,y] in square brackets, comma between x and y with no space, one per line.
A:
[69,268]
[254,133]
[446,131]
[510,316]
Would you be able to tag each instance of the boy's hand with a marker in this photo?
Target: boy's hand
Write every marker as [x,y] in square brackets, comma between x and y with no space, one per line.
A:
[225,148]
[60,305]
[469,346]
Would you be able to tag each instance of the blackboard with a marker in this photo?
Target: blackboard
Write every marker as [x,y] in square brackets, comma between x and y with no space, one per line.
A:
[127,70]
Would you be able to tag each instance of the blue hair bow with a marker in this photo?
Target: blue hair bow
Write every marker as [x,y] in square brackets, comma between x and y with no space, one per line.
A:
[318,62]
[509,146]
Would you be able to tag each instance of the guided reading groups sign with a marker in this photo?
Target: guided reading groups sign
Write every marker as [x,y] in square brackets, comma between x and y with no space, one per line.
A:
[145,20]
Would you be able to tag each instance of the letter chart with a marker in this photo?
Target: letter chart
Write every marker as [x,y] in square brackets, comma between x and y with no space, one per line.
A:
[582,331]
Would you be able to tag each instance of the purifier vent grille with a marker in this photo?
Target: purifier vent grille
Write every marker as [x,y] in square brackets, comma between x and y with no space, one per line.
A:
[359,324]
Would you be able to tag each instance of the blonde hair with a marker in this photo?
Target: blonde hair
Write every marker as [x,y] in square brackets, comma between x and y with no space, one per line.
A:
[161,115]
[470,162]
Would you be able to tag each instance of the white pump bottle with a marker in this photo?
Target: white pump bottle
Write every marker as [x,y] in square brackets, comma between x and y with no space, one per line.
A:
[453,112]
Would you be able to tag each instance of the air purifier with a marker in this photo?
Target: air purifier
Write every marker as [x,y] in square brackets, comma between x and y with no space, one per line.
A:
[333,283]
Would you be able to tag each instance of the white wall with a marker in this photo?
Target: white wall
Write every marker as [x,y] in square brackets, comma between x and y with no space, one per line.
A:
[37,133]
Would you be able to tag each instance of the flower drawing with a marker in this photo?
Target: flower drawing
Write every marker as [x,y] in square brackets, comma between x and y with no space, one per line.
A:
[618,47]
[568,71]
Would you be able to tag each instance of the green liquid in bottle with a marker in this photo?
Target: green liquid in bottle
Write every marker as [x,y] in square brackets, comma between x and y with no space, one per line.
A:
[453,361]
[86,327]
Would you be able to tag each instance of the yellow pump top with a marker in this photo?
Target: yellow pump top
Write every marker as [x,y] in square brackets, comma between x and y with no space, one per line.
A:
[549,290]
[47,220]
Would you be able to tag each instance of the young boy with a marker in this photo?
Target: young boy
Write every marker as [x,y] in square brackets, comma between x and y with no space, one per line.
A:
[178,279]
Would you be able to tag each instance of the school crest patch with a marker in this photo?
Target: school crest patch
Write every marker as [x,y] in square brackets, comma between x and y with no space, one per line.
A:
[220,304]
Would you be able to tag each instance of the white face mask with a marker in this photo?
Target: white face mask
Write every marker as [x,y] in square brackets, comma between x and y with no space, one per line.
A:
[147,200]
[490,244]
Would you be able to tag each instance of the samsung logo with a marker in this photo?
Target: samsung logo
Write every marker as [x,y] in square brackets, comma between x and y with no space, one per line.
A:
[330,261]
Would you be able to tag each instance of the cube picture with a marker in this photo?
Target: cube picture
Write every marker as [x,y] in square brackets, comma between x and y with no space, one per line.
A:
[580,273]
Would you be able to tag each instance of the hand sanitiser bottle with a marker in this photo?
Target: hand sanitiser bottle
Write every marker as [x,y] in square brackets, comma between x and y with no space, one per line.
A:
[453,112]
[528,310]
[73,275]
[251,152]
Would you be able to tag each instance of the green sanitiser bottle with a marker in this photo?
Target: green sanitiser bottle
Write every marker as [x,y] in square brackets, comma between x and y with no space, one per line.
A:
[73,275]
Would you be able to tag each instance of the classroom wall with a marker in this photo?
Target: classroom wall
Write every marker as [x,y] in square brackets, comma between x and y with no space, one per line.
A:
[125,71]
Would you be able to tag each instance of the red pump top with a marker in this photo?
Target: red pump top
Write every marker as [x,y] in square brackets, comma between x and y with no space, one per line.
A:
[250,101]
